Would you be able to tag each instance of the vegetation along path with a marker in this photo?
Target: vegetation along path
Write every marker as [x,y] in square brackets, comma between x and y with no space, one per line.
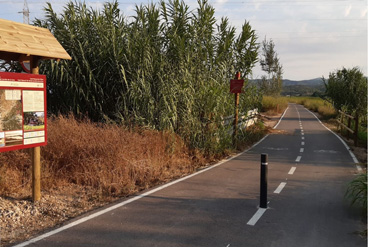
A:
[309,168]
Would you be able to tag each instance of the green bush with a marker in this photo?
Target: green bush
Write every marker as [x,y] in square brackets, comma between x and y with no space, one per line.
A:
[362,137]
[357,191]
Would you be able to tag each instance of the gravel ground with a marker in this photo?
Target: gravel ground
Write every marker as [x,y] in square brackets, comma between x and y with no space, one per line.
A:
[21,218]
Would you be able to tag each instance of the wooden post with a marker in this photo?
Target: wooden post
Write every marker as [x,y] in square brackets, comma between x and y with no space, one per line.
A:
[349,126]
[36,151]
[356,131]
[236,113]
[341,121]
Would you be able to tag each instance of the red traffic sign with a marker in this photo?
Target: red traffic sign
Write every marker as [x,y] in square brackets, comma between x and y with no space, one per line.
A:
[236,86]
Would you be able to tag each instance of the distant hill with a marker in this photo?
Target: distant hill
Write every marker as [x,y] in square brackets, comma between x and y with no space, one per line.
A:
[303,88]
[300,88]
[311,82]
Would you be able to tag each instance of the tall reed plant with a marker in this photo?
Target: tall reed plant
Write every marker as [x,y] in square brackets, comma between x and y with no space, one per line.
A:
[167,68]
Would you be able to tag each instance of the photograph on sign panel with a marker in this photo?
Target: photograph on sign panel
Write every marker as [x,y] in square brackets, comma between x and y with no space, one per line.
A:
[2,139]
[10,110]
[34,120]
[13,138]
[33,101]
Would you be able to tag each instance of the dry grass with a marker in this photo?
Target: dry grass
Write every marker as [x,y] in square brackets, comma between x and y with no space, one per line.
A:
[86,165]
[324,108]
[109,159]
[113,160]
[327,111]
[273,105]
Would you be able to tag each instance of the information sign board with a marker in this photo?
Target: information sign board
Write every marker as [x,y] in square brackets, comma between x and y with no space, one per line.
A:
[23,115]
[236,86]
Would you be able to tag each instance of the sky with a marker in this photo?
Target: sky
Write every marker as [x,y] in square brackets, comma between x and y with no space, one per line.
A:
[312,37]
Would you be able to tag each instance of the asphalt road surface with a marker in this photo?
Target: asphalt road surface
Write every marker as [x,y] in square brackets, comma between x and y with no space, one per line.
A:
[308,172]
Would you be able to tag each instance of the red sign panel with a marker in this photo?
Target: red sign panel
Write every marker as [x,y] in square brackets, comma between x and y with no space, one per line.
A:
[23,115]
[236,86]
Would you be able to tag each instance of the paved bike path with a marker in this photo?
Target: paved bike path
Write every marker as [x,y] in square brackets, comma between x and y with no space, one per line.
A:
[212,208]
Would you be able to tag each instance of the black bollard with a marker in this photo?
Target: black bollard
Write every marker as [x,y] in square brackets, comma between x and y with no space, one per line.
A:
[264,168]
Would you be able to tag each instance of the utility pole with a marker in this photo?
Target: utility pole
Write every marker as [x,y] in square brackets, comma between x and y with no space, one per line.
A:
[25,12]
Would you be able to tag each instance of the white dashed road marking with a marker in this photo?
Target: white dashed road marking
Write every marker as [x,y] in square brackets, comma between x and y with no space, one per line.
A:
[256,216]
[279,188]
[292,170]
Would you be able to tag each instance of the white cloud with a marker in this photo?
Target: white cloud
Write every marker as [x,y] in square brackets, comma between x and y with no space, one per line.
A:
[363,13]
[221,1]
[347,10]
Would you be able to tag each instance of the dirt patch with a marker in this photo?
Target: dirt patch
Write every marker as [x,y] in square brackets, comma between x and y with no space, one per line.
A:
[270,122]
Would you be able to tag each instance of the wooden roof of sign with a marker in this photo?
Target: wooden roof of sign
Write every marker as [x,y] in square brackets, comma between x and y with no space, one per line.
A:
[20,41]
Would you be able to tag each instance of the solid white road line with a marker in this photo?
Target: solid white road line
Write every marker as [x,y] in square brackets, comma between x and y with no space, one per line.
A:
[280,118]
[292,170]
[343,142]
[256,216]
[301,150]
[298,159]
[279,188]
[255,144]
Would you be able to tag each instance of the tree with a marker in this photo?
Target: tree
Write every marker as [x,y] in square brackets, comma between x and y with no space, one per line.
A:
[347,89]
[270,63]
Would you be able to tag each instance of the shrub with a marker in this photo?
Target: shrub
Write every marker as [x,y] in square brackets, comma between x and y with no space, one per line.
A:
[362,137]
[357,191]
